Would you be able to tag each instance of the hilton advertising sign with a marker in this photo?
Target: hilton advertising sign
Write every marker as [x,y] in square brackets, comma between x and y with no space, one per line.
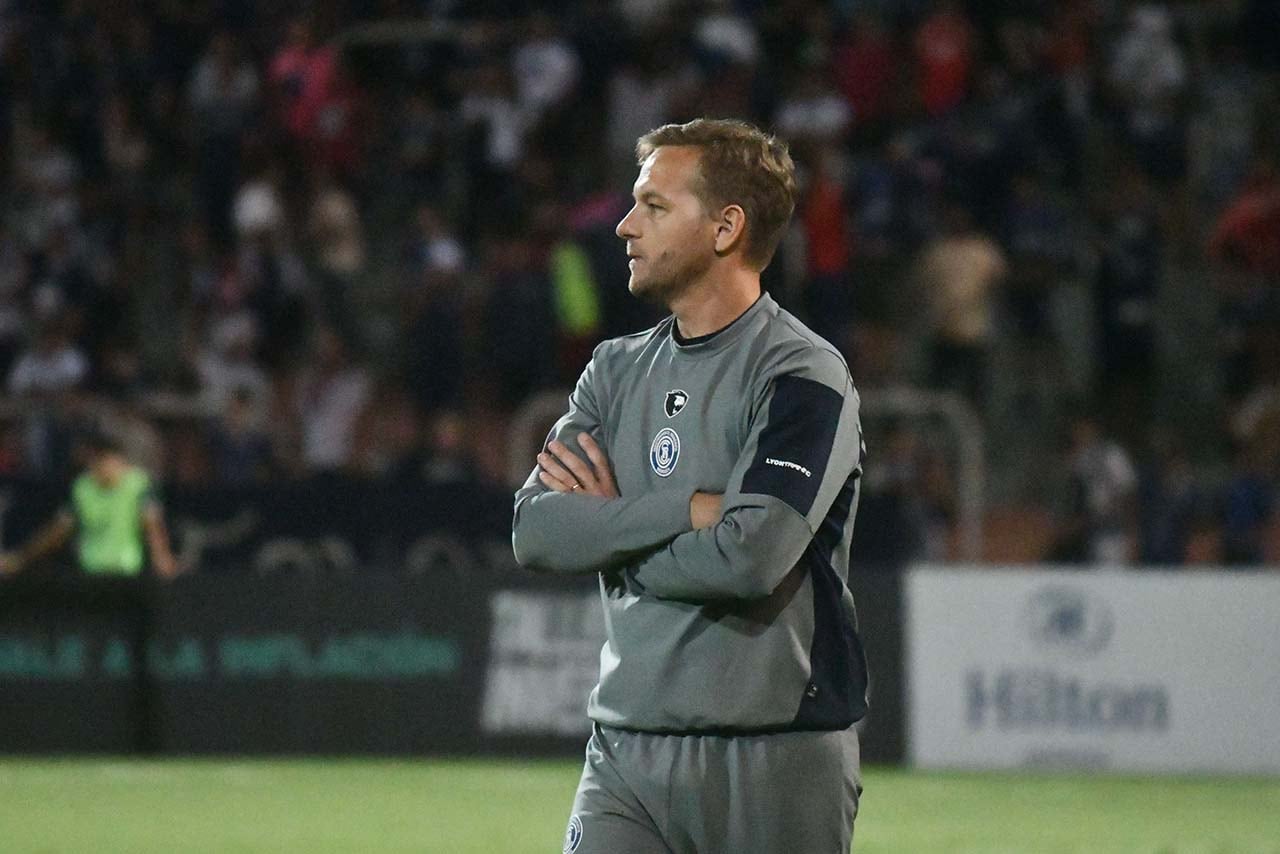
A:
[1107,670]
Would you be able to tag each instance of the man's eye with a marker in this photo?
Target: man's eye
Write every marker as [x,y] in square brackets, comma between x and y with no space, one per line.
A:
[652,206]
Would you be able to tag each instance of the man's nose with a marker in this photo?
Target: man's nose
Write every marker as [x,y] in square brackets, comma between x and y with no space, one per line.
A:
[626,228]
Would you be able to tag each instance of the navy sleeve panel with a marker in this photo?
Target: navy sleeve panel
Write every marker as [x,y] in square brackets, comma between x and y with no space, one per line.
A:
[836,695]
[793,449]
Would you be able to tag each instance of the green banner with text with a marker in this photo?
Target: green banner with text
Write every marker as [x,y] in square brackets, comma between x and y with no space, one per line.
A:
[368,664]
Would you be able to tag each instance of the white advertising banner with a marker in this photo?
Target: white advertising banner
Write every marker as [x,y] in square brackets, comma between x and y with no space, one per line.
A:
[544,659]
[1125,671]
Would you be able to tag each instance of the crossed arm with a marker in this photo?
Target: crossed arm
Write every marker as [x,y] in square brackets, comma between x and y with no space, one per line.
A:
[565,472]
[570,517]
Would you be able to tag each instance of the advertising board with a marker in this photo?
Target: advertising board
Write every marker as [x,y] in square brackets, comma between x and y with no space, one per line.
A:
[1122,671]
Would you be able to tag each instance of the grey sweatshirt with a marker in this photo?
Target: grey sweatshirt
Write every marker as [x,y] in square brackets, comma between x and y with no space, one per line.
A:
[748,626]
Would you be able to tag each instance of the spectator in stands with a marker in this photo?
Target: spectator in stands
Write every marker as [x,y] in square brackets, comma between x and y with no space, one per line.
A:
[46,176]
[52,365]
[423,133]
[1246,235]
[301,73]
[865,70]
[126,149]
[726,53]
[813,114]
[723,36]
[1129,272]
[1246,245]
[240,450]
[61,276]
[432,317]
[545,67]
[331,395]
[435,254]
[227,367]
[1148,74]
[1039,234]
[337,243]
[958,276]
[944,58]
[339,131]
[388,440]
[46,374]
[1256,421]
[335,230]
[448,458]
[223,97]
[268,278]
[641,95]
[575,291]
[1171,503]
[824,218]
[1225,123]
[1249,502]
[1069,34]
[496,128]
[895,478]
[1100,527]
[883,186]
[520,314]
[107,321]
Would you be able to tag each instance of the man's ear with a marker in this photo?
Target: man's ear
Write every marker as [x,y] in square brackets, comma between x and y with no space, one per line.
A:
[731,229]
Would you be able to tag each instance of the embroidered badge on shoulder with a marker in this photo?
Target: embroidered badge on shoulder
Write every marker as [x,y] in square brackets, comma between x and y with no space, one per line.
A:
[573,835]
[664,452]
[676,399]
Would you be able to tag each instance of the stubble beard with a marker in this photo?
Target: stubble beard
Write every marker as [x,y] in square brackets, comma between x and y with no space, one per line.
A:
[657,291]
[663,286]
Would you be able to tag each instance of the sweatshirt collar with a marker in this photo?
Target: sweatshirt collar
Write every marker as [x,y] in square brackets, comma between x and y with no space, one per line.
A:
[724,336]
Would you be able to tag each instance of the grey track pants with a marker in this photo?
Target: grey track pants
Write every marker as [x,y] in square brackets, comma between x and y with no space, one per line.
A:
[784,793]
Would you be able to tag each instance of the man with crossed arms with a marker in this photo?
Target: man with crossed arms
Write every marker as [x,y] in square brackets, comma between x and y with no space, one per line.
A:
[708,471]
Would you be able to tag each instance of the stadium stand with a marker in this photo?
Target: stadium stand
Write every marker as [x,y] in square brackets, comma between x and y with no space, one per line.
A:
[358,240]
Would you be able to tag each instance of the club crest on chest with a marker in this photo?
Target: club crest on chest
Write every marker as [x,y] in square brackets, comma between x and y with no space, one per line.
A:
[676,399]
[664,453]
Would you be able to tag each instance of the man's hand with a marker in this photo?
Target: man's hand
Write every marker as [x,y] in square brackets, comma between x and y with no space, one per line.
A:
[167,567]
[565,471]
[705,509]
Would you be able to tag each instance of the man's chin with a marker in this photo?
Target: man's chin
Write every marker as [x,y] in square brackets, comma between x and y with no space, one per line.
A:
[647,290]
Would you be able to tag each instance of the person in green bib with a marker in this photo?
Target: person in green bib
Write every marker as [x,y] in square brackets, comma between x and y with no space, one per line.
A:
[114,516]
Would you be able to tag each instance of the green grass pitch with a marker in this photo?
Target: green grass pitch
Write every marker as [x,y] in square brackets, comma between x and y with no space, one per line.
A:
[100,806]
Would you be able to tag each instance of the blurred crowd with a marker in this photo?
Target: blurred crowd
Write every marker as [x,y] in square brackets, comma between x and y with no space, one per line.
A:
[284,238]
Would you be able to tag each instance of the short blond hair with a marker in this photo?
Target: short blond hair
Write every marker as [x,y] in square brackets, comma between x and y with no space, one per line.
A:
[739,164]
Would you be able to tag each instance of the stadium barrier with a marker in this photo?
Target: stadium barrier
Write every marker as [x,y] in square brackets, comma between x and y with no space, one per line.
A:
[1126,671]
[332,617]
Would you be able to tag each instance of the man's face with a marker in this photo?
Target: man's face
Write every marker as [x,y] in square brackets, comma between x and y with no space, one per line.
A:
[670,236]
[106,466]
